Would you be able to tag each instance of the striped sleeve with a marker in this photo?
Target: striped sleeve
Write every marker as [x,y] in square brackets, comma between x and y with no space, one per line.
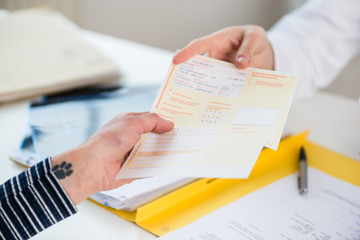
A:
[32,201]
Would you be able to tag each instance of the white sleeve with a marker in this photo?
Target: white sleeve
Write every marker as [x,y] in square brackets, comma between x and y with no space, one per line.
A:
[316,41]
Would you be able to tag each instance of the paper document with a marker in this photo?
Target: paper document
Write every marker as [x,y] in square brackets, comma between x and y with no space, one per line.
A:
[223,117]
[330,210]
[139,192]
[42,53]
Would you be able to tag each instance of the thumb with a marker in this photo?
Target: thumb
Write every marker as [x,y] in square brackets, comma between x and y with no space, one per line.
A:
[244,54]
[242,59]
[246,51]
[156,124]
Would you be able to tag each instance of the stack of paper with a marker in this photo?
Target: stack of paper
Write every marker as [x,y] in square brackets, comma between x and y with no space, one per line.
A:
[131,196]
[223,118]
[41,53]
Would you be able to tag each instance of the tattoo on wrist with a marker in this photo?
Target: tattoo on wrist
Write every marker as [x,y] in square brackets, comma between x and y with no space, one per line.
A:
[62,170]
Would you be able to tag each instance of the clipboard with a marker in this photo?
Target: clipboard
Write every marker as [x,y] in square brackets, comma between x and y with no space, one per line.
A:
[203,196]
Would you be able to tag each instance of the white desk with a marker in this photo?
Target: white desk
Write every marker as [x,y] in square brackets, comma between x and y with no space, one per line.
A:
[333,122]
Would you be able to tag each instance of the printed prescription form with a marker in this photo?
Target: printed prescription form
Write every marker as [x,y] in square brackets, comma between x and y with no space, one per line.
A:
[223,118]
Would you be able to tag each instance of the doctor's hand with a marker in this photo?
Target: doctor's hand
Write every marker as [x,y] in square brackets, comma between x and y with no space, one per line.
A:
[93,165]
[244,46]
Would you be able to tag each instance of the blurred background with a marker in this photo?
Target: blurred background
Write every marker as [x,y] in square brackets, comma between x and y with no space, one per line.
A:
[170,24]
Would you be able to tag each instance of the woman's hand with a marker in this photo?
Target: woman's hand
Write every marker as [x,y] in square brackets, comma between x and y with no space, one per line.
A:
[244,46]
[92,166]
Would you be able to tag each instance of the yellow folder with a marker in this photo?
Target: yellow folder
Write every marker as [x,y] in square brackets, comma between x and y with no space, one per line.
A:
[201,197]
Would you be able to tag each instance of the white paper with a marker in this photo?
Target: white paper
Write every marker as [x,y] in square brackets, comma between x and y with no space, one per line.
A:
[330,210]
[256,116]
[131,196]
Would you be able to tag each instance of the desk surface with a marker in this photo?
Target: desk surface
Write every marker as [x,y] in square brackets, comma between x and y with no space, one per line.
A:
[333,122]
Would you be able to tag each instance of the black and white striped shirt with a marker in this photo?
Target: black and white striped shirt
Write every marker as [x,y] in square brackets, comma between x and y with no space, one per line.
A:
[32,201]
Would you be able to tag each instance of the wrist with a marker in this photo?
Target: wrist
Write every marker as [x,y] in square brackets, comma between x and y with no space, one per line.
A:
[71,171]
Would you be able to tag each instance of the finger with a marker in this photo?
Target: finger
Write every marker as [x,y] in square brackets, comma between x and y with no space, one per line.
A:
[198,46]
[152,122]
[126,115]
[249,46]
[136,113]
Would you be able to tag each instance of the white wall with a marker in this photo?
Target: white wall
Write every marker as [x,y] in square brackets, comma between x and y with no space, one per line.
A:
[171,24]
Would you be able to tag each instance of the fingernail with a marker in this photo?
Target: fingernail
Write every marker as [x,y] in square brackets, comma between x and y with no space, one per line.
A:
[242,60]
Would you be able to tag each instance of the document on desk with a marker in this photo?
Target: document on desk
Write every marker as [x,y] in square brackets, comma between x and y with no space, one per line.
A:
[42,53]
[330,210]
[223,117]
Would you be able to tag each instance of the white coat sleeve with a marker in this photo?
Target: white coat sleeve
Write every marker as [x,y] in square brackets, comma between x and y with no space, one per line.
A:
[316,41]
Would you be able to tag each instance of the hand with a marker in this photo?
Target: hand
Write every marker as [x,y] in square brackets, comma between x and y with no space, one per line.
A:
[244,46]
[92,166]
